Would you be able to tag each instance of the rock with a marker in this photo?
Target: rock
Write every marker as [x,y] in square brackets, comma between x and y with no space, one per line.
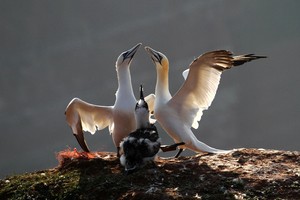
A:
[242,174]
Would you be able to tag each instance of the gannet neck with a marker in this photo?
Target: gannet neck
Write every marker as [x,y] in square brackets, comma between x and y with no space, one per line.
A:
[162,84]
[142,112]
[124,91]
[124,78]
[142,118]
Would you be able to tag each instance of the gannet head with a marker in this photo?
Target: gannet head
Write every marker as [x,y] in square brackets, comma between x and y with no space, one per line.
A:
[142,111]
[160,60]
[125,58]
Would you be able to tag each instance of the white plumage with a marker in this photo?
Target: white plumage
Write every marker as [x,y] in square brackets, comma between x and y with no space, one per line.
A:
[82,116]
[179,113]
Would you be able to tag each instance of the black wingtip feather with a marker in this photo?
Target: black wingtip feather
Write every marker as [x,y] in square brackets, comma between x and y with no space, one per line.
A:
[239,60]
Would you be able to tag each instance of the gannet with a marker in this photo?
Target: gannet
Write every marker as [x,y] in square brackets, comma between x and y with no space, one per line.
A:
[142,145]
[82,116]
[179,113]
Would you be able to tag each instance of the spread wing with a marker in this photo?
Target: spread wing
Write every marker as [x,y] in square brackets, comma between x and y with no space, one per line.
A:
[202,81]
[82,116]
[200,87]
[91,117]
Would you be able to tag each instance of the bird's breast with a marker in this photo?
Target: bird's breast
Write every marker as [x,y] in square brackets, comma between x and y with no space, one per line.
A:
[124,123]
[162,110]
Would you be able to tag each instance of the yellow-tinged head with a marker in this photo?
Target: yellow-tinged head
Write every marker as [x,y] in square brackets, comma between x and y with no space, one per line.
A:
[160,60]
[125,58]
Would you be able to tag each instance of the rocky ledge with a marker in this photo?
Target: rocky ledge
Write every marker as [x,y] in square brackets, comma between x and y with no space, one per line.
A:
[242,174]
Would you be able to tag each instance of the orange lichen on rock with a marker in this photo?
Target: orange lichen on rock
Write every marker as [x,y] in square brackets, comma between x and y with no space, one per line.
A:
[65,154]
[68,154]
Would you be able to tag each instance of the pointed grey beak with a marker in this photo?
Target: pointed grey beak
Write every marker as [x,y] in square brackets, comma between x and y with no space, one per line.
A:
[130,53]
[141,103]
[141,92]
[155,55]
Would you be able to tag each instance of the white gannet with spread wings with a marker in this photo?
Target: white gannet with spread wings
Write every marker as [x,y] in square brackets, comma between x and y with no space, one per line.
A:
[82,116]
[179,113]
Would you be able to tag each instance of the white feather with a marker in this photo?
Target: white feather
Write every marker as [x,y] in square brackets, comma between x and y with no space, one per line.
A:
[83,116]
[179,113]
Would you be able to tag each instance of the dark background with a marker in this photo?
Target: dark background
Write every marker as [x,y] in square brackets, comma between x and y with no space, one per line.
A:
[52,51]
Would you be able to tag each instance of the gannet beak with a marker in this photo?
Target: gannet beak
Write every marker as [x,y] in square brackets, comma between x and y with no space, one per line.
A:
[155,55]
[141,92]
[130,53]
[141,103]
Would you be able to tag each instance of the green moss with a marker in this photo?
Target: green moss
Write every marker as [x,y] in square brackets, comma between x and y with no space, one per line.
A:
[47,184]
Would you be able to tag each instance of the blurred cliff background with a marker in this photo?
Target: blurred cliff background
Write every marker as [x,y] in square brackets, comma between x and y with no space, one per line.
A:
[52,51]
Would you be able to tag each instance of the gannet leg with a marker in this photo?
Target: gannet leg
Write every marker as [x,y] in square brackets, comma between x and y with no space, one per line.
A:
[178,154]
[173,147]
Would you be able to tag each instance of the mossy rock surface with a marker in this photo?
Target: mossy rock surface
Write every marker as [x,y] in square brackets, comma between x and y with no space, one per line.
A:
[242,174]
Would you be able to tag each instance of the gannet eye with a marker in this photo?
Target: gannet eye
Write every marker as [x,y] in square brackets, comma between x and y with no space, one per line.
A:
[159,58]
[124,55]
[128,55]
